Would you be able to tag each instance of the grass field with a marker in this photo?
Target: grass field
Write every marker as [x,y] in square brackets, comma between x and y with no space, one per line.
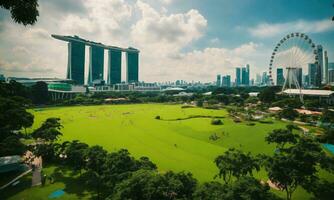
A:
[181,145]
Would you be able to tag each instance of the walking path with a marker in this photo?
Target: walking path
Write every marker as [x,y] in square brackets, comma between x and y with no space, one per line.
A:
[37,171]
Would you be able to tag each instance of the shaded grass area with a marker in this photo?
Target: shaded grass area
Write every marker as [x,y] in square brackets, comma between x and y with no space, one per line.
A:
[65,179]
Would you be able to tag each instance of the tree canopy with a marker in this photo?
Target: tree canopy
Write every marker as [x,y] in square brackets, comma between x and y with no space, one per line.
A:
[22,11]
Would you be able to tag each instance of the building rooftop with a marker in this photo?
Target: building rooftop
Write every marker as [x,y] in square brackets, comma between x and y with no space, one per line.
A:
[324,93]
[92,43]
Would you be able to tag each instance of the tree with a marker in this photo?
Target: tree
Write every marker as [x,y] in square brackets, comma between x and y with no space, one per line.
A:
[46,151]
[235,163]
[117,167]
[150,185]
[327,116]
[23,11]
[49,130]
[295,165]
[76,155]
[322,190]
[27,122]
[145,163]
[96,157]
[11,145]
[268,95]
[288,113]
[39,93]
[211,190]
[248,188]
[281,137]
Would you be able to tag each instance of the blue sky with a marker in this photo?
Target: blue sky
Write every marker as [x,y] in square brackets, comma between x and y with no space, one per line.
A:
[178,39]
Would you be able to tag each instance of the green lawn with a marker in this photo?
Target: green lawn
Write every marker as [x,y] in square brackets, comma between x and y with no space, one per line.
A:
[172,145]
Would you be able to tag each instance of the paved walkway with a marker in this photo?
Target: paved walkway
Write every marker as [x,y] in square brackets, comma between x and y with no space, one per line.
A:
[37,171]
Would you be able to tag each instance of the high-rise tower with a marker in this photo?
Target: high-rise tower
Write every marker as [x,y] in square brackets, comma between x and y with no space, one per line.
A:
[319,74]
[325,67]
[114,66]
[132,62]
[76,62]
[96,62]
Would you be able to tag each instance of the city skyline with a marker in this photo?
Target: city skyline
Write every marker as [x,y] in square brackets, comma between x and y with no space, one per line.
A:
[173,35]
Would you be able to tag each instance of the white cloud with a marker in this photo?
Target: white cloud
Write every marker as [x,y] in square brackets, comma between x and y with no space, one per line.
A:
[270,30]
[161,36]
[165,33]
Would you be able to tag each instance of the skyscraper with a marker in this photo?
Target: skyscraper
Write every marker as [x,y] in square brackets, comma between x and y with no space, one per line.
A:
[226,81]
[325,68]
[76,62]
[279,76]
[238,76]
[331,76]
[114,66]
[245,76]
[219,80]
[96,62]
[312,74]
[258,79]
[132,66]
[319,74]
[299,76]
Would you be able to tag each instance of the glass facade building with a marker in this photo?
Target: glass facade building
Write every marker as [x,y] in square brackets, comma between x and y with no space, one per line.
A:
[76,62]
[312,74]
[238,76]
[132,67]
[279,76]
[96,62]
[114,66]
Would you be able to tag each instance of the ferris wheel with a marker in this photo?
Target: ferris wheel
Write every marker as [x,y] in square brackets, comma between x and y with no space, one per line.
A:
[292,55]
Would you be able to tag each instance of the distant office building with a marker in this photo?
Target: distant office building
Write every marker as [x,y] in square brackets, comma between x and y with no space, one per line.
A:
[238,76]
[2,77]
[226,81]
[258,79]
[279,76]
[265,79]
[132,62]
[76,62]
[96,62]
[219,80]
[306,80]
[245,76]
[330,65]
[325,67]
[331,76]
[312,74]
[114,66]
[319,74]
[299,76]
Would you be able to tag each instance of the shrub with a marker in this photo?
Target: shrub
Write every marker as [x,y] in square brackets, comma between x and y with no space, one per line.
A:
[157,117]
[216,122]
[250,124]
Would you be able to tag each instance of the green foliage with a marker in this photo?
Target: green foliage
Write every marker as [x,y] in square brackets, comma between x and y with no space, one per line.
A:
[150,185]
[211,190]
[295,165]
[49,130]
[268,95]
[291,102]
[216,122]
[235,163]
[76,155]
[281,137]
[23,11]
[288,113]
[327,116]
[39,93]
[11,145]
